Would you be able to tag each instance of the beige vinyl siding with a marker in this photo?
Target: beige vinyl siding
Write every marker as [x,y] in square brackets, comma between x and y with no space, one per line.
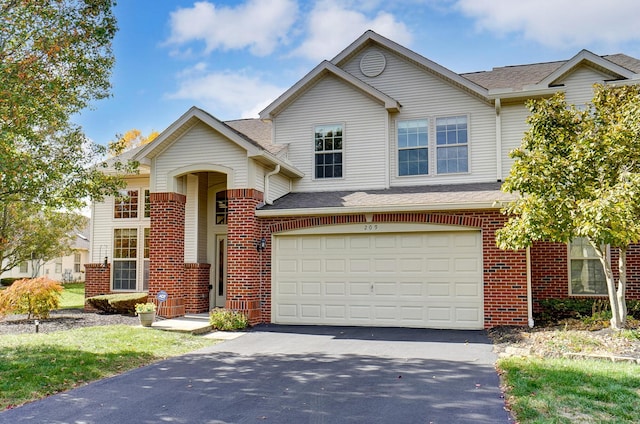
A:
[579,85]
[191,220]
[103,223]
[423,95]
[201,144]
[514,125]
[279,185]
[331,101]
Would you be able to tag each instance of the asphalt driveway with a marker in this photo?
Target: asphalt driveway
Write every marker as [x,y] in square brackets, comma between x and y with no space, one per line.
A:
[282,374]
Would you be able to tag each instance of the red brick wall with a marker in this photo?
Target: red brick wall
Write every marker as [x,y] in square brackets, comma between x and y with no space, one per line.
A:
[505,272]
[97,281]
[166,245]
[196,292]
[243,273]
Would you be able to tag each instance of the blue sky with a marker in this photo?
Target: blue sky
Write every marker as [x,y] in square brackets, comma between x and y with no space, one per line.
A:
[232,58]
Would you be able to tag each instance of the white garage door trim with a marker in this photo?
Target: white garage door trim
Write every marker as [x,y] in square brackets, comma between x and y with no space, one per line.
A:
[404,275]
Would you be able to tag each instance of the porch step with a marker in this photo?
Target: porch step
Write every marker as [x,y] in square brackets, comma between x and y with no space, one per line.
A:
[186,324]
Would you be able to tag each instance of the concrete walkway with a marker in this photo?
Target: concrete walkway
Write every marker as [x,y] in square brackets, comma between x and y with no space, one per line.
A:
[280,374]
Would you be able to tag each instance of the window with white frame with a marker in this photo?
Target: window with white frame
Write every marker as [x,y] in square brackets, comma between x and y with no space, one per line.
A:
[452,145]
[126,206]
[413,151]
[24,267]
[328,151]
[77,262]
[586,275]
[147,204]
[145,260]
[125,254]
[222,204]
[58,265]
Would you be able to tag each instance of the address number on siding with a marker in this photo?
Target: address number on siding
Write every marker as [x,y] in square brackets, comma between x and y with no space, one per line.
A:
[371,227]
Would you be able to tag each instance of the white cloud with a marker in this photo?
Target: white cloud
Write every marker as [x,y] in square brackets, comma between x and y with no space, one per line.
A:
[558,23]
[232,94]
[332,26]
[256,24]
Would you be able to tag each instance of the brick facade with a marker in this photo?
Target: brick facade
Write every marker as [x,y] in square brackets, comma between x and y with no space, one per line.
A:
[196,290]
[97,281]
[166,247]
[243,272]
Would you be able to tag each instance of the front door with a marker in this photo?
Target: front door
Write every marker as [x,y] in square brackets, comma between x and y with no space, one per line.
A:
[218,293]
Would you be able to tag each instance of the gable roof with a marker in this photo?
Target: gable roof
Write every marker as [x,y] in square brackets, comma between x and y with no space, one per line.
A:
[231,131]
[322,70]
[543,75]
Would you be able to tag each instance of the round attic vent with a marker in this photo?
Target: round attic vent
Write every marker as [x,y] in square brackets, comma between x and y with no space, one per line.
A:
[372,64]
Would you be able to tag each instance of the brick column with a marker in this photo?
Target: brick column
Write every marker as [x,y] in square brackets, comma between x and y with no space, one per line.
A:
[243,269]
[196,287]
[97,282]
[166,246]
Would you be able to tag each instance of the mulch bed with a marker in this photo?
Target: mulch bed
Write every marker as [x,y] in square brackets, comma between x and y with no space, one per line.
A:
[66,319]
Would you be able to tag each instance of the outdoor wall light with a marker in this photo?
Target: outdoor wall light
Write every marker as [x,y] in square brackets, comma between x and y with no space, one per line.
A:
[104,264]
[261,244]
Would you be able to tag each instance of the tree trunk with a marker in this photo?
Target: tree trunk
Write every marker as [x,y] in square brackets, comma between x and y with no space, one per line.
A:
[618,305]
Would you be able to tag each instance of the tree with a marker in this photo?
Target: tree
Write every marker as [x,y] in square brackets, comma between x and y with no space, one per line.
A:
[55,59]
[578,175]
[134,138]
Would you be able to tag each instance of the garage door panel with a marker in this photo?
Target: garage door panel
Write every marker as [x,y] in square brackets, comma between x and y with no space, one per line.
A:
[395,279]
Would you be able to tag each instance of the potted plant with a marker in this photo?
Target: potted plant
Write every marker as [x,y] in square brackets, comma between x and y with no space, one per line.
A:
[146,312]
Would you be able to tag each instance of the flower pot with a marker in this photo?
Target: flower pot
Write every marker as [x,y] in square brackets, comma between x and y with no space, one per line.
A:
[147,318]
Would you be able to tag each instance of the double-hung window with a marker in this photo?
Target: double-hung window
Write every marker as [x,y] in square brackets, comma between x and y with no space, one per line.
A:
[125,254]
[586,275]
[77,262]
[413,151]
[328,151]
[452,145]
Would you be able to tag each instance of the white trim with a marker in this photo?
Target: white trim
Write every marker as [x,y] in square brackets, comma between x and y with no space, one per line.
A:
[379,209]
[498,106]
[376,228]
[172,184]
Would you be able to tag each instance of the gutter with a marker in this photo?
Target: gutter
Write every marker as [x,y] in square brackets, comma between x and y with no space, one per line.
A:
[498,106]
[266,184]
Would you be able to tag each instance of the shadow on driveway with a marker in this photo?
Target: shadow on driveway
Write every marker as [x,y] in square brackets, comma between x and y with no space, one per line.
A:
[275,374]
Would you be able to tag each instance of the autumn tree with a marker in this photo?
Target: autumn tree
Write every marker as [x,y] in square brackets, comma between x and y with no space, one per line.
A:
[134,138]
[577,174]
[55,59]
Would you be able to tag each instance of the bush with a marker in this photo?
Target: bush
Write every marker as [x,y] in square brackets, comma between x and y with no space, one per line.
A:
[36,297]
[227,320]
[119,303]
[6,282]
[556,310]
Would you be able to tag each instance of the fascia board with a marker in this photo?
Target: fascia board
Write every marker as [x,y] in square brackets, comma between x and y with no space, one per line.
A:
[585,56]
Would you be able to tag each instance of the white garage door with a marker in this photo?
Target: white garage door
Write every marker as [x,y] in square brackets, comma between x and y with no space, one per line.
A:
[424,279]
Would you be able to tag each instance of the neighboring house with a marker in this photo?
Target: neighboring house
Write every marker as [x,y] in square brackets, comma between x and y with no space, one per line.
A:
[66,269]
[367,194]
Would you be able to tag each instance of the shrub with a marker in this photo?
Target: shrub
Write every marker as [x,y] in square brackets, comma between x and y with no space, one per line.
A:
[6,282]
[119,303]
[588,309]
[36,297]
[227,320]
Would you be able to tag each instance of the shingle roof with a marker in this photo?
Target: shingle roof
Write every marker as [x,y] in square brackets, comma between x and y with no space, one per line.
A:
[518,76]
[395,196]
[258,131]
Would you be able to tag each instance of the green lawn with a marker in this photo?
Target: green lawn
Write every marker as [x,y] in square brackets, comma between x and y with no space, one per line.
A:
[73,296]
[571,391]
[33,366]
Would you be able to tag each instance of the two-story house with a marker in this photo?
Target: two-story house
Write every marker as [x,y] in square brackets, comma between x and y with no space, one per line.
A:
[366,194]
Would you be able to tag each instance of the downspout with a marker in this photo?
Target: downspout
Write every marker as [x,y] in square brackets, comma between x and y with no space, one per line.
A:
[498,140]
[529,291]
[266,184]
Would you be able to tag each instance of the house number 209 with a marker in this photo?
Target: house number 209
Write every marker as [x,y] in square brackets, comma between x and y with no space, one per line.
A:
[371,227]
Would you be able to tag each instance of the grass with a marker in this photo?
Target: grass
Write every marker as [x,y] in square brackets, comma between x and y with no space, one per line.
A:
[571,391]
[72,296]
[33,366]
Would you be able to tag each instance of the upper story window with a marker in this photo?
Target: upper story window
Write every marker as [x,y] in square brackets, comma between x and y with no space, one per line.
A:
[586,275]
[413,152]
[147,204]
[328,151]
[126,206]
[452,145]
